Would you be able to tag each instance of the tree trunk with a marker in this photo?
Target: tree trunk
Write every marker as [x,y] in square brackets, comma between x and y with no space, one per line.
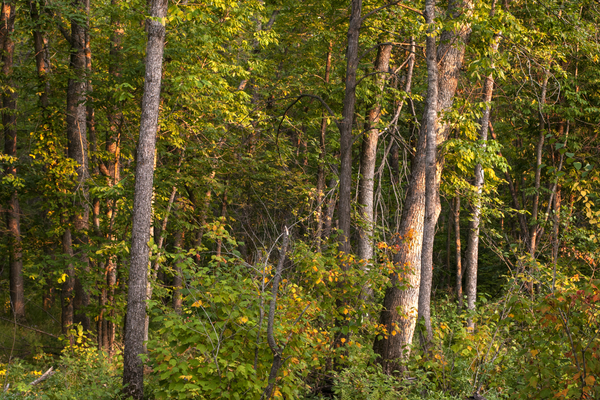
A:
[538,168]
[401,300]
[432,200]
[459,270]
[555,237]
[450,55]
[321,168]
[41,55]
[78,151]
[368,158]
[9,121]
[344,208]
[133,368]
[472,252]
[178,277]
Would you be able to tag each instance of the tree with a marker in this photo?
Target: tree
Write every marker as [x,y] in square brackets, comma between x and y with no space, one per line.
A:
[133,371]
[9,119]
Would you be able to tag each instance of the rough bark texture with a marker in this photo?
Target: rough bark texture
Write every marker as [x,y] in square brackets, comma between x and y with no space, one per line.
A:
[368,158]
[344,210]
[9,119]
[399,312]
[472,252]
[432,201]
[133,368]
[78,151]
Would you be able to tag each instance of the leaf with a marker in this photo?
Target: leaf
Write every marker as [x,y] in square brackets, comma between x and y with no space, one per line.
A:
[577,165]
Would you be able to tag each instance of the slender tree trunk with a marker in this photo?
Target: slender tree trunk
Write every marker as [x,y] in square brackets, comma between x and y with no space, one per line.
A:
[472,252]
[368,159]
[344,208]
[555,237]
[41,55]
[321,169]
[330,209]
[133,368]
[432,201]
[459,270]
[538,168]
[178,277]
[9,121]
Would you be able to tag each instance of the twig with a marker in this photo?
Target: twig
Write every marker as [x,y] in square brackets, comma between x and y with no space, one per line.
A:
[29,327]
[45,376]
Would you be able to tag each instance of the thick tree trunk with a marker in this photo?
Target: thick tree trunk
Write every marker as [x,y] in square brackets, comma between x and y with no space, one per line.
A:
[368,159]
[133,368]
[432,200]
[450,55]
[399,314]
[472,252]
[78,151]
[344,209]
[9,121]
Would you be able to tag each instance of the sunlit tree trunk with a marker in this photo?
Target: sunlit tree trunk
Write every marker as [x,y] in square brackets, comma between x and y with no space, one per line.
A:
[472,251]
[133,368]
[368,158]
[400,307]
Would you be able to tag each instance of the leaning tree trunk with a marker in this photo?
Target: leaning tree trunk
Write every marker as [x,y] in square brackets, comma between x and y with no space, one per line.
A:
[368,158]
[472,252]
[9,120]
[133,368]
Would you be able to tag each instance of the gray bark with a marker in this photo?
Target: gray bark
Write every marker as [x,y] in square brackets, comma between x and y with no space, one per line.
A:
[472,252]
[368,158]
[432,201]
[133,368]
[399,312]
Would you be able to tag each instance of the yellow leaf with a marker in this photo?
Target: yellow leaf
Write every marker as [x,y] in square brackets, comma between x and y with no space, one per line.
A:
[534,353]
[394,333]
[343,340]
[197,303]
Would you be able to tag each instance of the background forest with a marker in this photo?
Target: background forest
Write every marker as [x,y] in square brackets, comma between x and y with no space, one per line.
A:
[300,199]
